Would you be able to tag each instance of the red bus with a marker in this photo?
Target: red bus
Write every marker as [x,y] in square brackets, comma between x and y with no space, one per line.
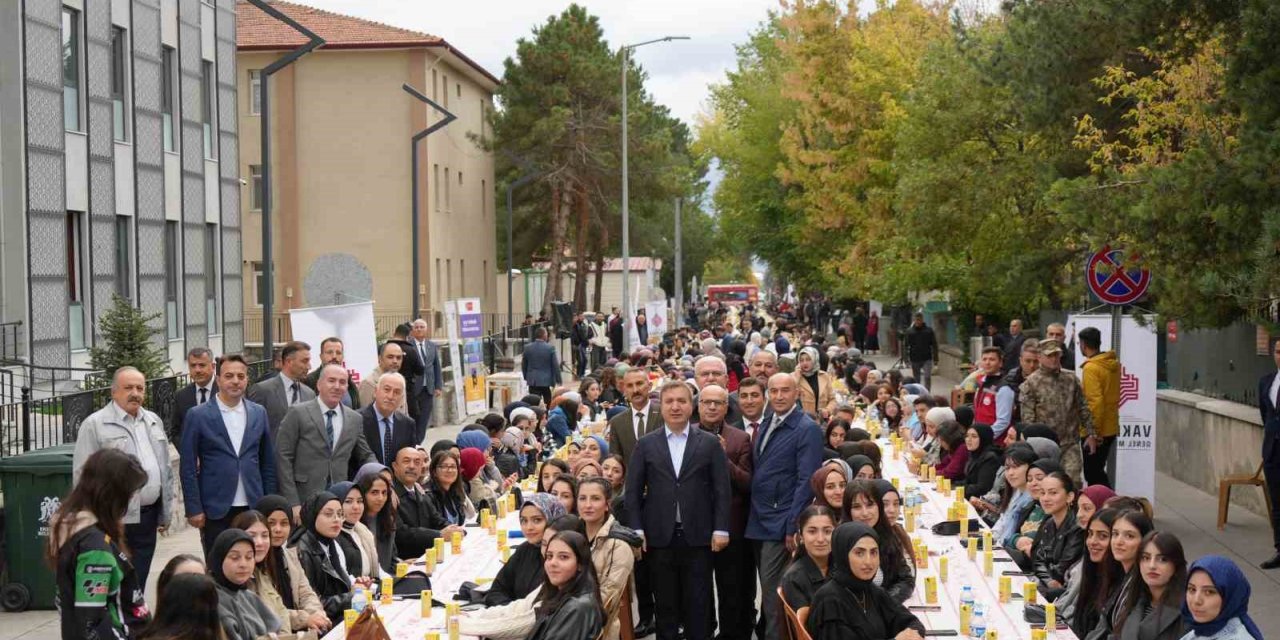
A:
[733,293]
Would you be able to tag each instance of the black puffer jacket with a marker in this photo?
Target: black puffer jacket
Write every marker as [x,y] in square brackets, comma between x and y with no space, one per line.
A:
[1056,548]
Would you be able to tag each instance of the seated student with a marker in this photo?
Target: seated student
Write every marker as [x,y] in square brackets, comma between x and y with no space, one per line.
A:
[1085,511]
[863,468]
[1100,575]
[871,450]
[828,484]
[262,585]
[954,455]
[587,468]
[1217,603]
[315,549]
[522,573]
[1127,531]
[359,548]
[984,461]
[615,471]
[613,557]
[836,429]
[926,450]
[302,609]
[1060,541]
[1014,496]
[897,560]
[231,562]
[550,470]
[850,605]
[810,565]
[562,419]
[180,564]
[374,481]
[196,619]
[1153,608]
[594,448]
[446,490]
[509,457]
[891,501]
[481,494]
[1032,518]
[565,488]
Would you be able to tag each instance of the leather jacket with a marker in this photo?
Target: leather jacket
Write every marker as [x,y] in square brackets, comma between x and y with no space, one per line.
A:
[1056,548]
[333,591]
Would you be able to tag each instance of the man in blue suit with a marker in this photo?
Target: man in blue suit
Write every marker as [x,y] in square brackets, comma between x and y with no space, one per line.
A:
[1269,405]
[540,366]
[786,451]
[227,462]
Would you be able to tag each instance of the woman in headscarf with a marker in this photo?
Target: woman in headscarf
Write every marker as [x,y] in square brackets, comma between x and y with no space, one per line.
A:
[316,549]
[891,501]
[471,463]
[828,484]
[594,448]
[850,606]
[816,395]
[984,461]
[1217,604]
[587,468]
[356,540]
[302,609]
[380,507]
[231,562]
[927,451]
[510,458]
[523,572]
[481,440]
[896,573]
[863,467]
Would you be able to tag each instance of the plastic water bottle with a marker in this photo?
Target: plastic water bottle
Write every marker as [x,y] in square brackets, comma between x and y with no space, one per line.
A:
[978,623]
[358,601]
[966,595]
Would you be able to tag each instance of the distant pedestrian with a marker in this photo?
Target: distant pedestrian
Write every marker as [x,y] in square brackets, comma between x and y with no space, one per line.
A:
[540,365]
[921,350]
[430,382]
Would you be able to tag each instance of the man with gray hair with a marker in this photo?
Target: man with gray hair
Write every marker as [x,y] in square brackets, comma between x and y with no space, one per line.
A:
[124,425]
[711,370]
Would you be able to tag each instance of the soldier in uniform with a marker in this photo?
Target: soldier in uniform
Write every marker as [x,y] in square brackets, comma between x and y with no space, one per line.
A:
[1054,397]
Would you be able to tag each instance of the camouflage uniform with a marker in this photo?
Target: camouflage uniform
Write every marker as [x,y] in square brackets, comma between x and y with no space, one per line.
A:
[1057,399]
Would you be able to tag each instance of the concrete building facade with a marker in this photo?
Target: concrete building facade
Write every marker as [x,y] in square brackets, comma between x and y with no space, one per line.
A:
[119,173]
[341,166]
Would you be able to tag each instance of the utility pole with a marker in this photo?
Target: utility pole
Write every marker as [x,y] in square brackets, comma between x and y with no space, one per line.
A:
[678,280]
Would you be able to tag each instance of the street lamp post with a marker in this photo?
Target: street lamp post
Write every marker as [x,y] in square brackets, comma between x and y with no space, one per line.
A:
[626,217]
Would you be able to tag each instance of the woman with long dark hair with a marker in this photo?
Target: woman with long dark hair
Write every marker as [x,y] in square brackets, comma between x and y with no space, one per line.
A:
[302,608]
[565,489]
[356,540]
[1014,496]
[196,619]
[86,547]
[1060,540]
[811,563]
[954,455]
[551,469]
[1153,608]
[231,562]
[612,556]
[1127,532]
[446,491]
[896,573]
[181,564]
[1099,575]
[568,605]
[379,513]
[522,573]
[850,605]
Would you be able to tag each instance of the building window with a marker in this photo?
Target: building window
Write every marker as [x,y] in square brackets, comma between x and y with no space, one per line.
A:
[172,272]
[255,92]
[255,187]
[259,283]
[444,82]
[435,92]
[119,83]
[435,185]
[208,102]
[75,279]
[459,87]
[448,278]
[448,201]
[72,69]
[462,276]
[124,265]
[211,276]
[168,95]
[484,198]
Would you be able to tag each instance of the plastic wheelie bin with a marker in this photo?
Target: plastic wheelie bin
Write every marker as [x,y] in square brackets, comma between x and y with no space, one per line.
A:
[34,484]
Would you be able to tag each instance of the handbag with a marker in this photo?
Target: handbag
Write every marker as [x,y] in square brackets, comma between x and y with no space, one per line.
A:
[368,627]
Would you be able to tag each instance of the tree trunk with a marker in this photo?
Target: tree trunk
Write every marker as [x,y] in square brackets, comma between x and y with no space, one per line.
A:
[559,224]
[601,248]
[580,248]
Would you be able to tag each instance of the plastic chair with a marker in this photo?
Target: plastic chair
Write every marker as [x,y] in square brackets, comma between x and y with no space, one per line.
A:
[1224,492]
[792,630]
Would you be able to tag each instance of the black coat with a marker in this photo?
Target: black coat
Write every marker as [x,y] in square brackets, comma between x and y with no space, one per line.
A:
[417,522]
[980,473]
[517,578]
[1056,548]
[185,400]
[402,432]
[653,489]
[921,344]
[333,591]
[578,618]
[835,616]
[801,581]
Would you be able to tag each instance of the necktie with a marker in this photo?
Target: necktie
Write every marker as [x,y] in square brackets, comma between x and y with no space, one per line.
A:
[639,425]
[386,440]
[328,427]
[204,395]
[754,426]
[294,393]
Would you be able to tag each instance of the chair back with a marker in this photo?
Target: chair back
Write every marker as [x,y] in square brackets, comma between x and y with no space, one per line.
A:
[792,629]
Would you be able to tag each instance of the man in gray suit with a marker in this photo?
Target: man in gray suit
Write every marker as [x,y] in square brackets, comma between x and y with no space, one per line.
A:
[320,441]
[540,366]
[430,384]
[640,418]
[287,388]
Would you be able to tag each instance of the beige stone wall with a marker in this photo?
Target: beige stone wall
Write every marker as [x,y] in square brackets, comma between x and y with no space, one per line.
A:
[1200,440]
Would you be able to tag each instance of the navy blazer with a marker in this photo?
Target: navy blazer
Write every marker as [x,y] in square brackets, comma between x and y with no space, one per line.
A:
[702,489]
[209,465]
[539,364]
[1270,421]
[780,477]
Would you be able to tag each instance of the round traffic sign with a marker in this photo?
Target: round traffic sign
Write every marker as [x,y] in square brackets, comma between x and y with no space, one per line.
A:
[1114,282]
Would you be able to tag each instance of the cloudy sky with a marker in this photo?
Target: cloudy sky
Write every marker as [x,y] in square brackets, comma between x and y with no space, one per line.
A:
[487,30]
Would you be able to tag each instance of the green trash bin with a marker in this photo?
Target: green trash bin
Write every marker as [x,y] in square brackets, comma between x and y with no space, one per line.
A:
[34,484]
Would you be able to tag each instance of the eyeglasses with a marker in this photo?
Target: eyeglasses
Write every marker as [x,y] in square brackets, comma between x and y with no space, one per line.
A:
[712,403]
[447,467]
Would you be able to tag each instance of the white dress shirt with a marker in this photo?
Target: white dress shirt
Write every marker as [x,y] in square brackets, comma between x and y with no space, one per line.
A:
[746,424]
[234,419]
[288,391]
[337,418]
[208,392]
[640,419]
[1275,387]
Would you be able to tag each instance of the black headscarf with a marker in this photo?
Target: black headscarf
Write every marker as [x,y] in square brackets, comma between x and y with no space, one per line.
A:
[986,436]
[276,567]
[310,512]
[964,415]
[1046,465]
[218,553]
[842,541]
[341,489]
[856,463]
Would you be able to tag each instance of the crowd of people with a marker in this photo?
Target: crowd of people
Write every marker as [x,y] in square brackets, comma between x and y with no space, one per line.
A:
[679,478]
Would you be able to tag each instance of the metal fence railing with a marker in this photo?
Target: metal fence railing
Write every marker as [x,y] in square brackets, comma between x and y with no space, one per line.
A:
[384,323]
[36,423]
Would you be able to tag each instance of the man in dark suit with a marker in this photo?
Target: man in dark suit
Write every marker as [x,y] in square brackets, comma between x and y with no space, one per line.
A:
[614,331]
[626,429]
[787,449]
[410,365]
[540,366]
[201,390]
[735,564]
[320,441]
[287,388]
[418,524]
[1269,405]
[711,370]
[430,382]
[677,497]
[227,461]
[386,429]
[332,351]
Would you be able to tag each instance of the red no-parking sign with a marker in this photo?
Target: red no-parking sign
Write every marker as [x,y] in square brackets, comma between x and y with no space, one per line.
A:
[1113,281]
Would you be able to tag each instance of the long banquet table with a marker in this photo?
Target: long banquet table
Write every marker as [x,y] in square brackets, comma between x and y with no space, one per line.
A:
[480,560]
